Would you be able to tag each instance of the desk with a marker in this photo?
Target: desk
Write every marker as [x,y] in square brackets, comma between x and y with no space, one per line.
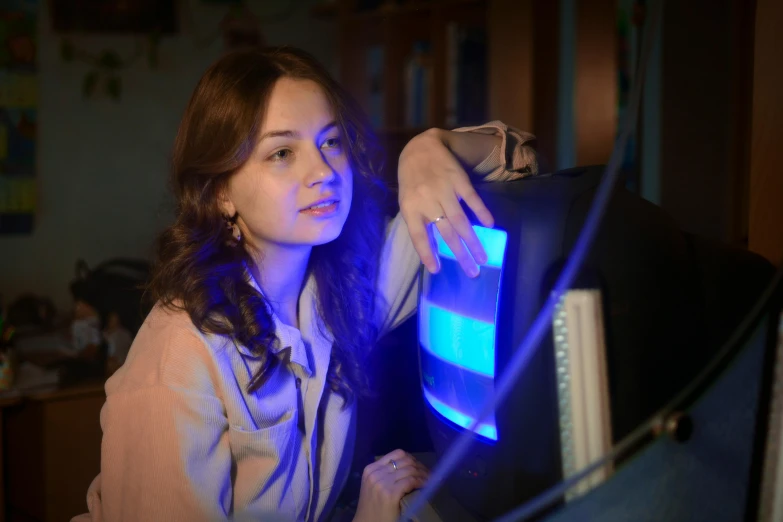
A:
[50,442]
[4,402]
[442,507]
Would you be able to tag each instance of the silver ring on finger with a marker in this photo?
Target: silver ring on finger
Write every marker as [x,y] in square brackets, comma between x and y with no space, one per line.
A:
[394,464]
[435,221]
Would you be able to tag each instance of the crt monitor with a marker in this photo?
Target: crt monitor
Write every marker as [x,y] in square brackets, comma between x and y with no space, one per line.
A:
[669,300]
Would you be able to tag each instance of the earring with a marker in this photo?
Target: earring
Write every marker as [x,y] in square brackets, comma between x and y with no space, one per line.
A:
[233,228]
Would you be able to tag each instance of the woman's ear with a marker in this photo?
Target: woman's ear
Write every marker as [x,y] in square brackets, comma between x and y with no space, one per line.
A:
[225,204]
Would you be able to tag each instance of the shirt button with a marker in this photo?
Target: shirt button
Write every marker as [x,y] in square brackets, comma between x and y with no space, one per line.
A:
[298,383]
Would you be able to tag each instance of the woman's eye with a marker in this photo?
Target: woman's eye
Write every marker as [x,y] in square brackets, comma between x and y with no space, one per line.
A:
[332,143]
[281,155]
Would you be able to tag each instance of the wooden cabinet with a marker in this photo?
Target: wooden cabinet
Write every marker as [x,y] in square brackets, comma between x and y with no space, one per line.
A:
[51,452]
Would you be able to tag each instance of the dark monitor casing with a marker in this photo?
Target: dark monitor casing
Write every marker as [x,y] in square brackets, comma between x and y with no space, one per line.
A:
[669,300]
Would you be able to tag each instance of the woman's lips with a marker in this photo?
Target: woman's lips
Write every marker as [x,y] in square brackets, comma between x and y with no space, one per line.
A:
[322,210]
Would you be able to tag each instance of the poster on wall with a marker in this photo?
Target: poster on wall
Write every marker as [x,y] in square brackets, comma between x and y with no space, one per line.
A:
[18,115]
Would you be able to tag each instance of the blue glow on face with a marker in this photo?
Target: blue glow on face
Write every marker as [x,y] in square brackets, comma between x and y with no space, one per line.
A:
[492,239]
[459,418]
[458,339]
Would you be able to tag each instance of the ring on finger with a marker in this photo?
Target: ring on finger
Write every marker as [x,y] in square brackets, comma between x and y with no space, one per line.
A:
[394,464]
[439,218]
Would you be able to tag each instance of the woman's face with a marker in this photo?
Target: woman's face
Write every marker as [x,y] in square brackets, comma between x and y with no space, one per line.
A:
[296,187]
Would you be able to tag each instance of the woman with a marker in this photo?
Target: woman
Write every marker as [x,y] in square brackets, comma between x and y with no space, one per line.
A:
[237,396]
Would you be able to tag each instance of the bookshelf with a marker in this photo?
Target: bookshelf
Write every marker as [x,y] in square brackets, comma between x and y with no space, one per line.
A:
[416,64]
[522,68]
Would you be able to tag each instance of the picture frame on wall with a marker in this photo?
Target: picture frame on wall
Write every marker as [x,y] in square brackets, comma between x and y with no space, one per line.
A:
[114,16]
[18,115]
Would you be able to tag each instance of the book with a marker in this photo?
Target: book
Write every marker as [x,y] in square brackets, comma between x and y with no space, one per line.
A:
[375,97]
[418,86]
[466,75]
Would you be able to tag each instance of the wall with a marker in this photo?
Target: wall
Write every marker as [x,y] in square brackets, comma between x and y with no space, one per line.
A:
[565,155]
[102,165]
[650,139]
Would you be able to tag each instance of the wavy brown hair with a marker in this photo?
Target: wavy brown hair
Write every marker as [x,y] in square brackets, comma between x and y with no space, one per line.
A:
[200,267]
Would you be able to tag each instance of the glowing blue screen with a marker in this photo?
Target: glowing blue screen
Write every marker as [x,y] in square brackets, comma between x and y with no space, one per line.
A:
[457,316]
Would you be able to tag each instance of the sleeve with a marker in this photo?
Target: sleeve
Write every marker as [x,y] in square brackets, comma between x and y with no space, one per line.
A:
[165,456]
[514,158]
[165,453]
[398,280]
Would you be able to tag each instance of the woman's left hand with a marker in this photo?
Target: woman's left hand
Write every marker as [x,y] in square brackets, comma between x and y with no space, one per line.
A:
[432,185]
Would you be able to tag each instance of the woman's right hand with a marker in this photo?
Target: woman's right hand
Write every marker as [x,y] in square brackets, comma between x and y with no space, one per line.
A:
[385,482]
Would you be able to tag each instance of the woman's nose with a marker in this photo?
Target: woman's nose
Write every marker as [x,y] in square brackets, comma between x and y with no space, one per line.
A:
[321,171]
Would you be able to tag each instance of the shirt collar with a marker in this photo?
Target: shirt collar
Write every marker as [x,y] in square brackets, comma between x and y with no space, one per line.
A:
[290,337]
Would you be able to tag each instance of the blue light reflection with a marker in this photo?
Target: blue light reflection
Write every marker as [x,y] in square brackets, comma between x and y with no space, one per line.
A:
[460,419]
[492,239]
[458,339]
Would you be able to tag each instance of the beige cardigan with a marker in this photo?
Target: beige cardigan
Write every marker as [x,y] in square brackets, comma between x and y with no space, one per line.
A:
[183,440]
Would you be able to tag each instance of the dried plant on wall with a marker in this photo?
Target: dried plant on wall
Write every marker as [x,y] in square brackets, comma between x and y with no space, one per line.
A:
[149,20]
